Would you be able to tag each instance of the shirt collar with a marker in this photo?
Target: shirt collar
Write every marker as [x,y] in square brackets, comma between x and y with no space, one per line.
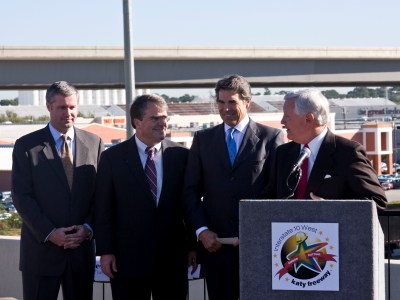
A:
[56,134]
[241,126]
[316,142]
[142,146]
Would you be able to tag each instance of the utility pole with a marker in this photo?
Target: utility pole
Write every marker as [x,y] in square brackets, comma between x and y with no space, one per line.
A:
[129,65]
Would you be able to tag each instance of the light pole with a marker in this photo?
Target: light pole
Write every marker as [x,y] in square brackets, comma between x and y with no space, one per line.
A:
[128,64]
[394,117]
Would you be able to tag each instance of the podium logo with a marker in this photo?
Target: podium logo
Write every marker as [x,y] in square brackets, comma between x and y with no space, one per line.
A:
[305,256]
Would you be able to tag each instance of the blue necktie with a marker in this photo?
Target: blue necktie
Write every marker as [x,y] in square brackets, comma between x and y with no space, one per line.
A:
[231,144]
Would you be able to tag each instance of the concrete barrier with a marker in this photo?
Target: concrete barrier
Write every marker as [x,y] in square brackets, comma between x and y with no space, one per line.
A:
[11,282]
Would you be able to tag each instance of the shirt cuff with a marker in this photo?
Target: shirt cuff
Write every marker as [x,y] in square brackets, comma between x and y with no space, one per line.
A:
[200,230]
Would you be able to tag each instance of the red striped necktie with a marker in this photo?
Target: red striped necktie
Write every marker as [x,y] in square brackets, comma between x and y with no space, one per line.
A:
[302,186]
[151,172]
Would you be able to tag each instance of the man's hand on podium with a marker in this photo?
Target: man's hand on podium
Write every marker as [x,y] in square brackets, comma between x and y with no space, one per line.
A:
[210,240]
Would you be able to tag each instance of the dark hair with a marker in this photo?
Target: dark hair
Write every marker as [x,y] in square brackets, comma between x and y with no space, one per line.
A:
[60,87]
[235,83]
[139,105]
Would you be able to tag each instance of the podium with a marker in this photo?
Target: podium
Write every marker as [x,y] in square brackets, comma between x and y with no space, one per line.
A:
[306,249]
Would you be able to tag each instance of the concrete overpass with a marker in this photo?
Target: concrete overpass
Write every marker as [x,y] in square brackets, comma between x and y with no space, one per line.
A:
[185,67]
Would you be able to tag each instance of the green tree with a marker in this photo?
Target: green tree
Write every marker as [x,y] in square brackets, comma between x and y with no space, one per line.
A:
[186,98]
[358,92]
[332,94]
[281,92]
[267,91]
[6,102]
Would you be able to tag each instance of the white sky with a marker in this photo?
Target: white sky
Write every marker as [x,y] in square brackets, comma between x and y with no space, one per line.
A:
[263,23]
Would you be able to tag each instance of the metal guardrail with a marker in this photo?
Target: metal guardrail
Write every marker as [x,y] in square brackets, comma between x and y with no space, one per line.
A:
[390,223]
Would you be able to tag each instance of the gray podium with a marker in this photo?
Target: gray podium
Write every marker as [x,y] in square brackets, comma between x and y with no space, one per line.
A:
[304,249]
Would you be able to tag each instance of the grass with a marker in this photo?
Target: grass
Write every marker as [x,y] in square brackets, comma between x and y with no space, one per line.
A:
[10,231]
[11,226]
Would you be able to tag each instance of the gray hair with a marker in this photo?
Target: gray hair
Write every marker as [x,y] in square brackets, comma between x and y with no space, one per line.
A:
[235,83]
[140,103]
[60,87]
[310,101]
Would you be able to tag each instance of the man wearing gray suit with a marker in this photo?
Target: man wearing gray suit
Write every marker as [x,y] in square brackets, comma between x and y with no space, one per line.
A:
[53,180]
[227,163]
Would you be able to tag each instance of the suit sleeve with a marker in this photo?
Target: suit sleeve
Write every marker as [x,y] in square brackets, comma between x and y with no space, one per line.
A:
[90,217]
[270,189]
[193,187]
[363,179]
[23,194]
[103,208]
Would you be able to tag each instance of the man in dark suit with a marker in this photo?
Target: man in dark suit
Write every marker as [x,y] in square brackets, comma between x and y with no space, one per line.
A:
[338,168]
[227,163]
[55,202]
[140,231]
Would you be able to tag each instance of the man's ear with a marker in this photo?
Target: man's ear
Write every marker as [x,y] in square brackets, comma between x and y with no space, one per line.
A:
[310,118]
[136,123]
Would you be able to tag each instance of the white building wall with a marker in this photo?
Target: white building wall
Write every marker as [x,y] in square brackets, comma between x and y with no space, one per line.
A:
[114,97]
[106,95]
[86,97]
[32,97]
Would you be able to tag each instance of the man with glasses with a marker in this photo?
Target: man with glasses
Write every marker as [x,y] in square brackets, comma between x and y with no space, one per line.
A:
[140,232]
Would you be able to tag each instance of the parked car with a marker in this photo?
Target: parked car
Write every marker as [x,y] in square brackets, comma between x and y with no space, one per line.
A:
[386,185]
[8,206]
[384,168]
[386,181]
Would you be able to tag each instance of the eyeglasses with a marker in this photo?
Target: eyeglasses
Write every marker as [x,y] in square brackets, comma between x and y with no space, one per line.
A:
[156,119]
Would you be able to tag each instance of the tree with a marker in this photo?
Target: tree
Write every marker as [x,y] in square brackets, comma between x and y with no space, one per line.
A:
[281,93]
[6,102]
[332,94]
[358,92]
[186,98]
[267,91]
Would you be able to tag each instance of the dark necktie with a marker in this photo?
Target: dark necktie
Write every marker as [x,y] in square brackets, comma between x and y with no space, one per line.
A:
[302,186]
[66,159]
[151,172]
[231,144]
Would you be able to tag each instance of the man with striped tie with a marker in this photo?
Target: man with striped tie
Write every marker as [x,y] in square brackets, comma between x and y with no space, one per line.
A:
[140,231]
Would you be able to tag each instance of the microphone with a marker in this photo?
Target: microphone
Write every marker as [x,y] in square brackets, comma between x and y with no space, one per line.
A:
[304,154]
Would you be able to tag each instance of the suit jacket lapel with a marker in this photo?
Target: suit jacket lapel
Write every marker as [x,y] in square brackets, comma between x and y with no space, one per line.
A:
[52,157]
[81,150]
[135,166]
[249,142]
[322,163]
[219,145]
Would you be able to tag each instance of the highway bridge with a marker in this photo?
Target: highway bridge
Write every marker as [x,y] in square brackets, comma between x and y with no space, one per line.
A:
[34,67]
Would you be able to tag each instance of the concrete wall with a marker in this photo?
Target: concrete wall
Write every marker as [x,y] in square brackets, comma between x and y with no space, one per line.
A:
[11,282]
